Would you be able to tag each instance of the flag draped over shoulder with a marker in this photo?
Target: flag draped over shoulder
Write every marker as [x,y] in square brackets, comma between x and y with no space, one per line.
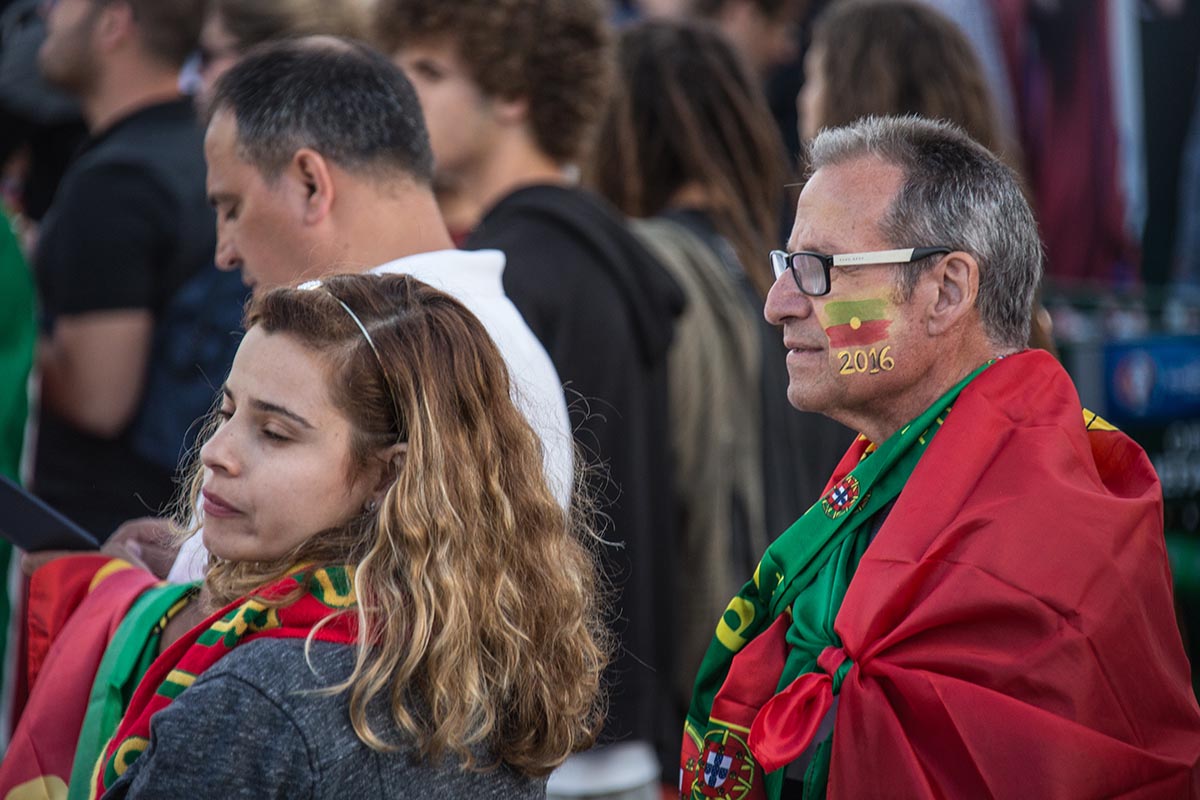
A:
[324,610]
[1009,632]
[75,605]
[130,653]
[785,614]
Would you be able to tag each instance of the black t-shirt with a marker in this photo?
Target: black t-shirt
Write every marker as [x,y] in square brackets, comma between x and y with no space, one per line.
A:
[129,226]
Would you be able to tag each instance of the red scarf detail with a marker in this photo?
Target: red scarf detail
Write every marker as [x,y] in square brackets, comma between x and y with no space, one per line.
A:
[330,595]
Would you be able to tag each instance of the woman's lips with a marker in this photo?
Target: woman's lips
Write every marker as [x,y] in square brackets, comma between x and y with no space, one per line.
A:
[215,506]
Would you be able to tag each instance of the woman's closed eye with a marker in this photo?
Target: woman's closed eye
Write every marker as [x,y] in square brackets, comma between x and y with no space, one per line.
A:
[269,430]
[274,434]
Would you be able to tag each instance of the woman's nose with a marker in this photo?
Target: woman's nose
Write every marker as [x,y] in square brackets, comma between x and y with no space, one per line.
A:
[220,451]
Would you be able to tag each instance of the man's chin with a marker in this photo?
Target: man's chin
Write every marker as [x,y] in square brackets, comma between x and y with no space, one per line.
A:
[55,78]
[804,400]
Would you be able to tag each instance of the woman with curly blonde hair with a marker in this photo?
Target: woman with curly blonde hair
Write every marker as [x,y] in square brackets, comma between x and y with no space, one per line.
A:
[405,610]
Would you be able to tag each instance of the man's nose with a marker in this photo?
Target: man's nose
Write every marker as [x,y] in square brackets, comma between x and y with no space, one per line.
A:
[786,301]
[228,257]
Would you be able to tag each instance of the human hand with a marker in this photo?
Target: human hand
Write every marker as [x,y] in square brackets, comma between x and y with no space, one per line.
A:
[32,562]
[146,542]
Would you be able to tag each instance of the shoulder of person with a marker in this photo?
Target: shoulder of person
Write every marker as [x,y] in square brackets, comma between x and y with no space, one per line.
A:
[284,667]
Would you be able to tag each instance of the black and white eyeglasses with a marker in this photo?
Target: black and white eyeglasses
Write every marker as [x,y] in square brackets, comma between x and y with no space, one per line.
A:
[811,270]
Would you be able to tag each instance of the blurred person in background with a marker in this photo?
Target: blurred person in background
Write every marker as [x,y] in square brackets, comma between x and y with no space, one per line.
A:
[689,148]
[1076,115]
[862,63]
[40,127]
[763,32]
[660,8]
[979,23]
[513,91]
[769,36]
[135,319]
[231,27]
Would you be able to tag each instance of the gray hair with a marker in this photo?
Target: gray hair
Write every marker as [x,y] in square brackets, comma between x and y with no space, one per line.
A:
[954,193]
[339,97]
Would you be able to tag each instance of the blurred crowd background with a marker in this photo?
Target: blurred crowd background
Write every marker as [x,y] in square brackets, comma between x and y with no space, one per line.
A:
[1094,103]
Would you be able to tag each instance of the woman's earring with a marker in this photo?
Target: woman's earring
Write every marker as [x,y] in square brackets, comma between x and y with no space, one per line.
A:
[372,505]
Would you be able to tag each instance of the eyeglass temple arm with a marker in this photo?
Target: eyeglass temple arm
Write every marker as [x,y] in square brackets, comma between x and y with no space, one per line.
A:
[902,256]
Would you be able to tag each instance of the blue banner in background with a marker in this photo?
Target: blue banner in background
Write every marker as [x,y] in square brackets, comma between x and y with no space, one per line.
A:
[1152,380]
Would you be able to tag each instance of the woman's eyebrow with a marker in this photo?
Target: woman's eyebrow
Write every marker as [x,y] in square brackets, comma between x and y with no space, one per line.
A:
[273,408]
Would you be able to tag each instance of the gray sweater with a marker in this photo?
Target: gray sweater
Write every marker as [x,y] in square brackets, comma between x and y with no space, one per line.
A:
[251,727]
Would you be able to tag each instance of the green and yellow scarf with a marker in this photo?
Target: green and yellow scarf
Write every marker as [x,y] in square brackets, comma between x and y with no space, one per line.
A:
[320,611]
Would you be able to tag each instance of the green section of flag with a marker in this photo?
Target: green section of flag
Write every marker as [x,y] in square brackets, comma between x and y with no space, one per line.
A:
[807,570]
[842,311]
[129,654]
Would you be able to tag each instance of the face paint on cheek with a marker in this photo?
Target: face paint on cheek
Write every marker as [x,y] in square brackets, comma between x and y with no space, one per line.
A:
[858,333]
[856,323]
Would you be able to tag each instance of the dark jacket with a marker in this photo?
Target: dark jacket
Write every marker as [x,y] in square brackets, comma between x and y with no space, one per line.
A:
[605,310]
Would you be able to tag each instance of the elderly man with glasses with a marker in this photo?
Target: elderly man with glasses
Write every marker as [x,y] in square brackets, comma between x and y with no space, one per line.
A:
[980,604]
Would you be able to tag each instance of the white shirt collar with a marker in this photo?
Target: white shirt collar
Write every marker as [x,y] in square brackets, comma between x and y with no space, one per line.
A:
[477,272]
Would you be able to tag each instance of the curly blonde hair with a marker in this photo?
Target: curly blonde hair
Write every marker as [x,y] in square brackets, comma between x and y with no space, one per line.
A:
[477,593]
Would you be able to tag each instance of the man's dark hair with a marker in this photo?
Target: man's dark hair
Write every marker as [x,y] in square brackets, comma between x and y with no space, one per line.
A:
[771,9]
[339,97]
[170,29]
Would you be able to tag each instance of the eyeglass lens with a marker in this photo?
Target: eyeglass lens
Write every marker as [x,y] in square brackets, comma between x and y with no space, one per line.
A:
[811,274]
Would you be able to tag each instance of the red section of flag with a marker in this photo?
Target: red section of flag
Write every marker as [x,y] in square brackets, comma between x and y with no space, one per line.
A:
[1009,648]
[868,332]
[72,627]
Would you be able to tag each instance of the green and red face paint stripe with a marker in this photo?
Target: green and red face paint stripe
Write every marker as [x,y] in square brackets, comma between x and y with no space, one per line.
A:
[856,323]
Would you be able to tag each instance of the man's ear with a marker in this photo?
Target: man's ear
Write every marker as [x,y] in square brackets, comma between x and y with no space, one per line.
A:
[956,282]
[315,178]
[114,26]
